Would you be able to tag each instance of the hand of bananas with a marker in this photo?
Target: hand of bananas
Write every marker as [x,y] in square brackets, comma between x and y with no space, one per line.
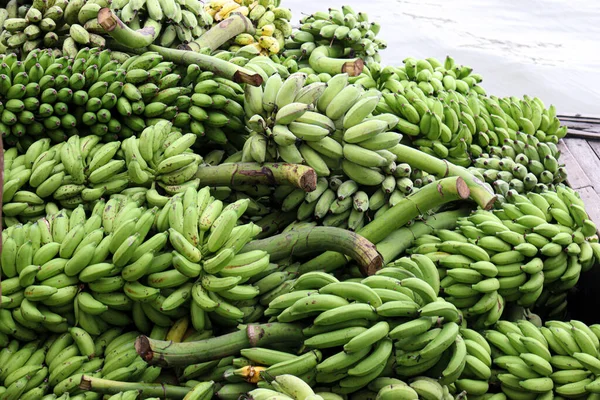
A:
[124,272]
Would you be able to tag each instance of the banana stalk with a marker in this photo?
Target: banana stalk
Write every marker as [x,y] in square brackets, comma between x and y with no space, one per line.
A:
[169,354]
[123,34]
[400,240]
[323,60]
[315,239]
[429,197]
[217,66]
[235,174]
[484,197]
[145,390]
[221,33]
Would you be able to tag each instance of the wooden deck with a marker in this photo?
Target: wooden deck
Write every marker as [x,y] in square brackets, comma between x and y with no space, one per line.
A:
[581,156]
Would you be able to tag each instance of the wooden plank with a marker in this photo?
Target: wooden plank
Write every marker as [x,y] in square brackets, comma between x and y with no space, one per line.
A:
[590,135]
[587,160]
[595,145]
[579,118]
[592,203]
[575,175]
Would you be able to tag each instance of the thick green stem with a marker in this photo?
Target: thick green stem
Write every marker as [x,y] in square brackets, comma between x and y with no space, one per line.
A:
[273,174]
[317,239]
[398,241]
[219,67]
[170,354]
[145,390]
[431,196]
[322,61]
[221,33]
[481,194]
[122,33]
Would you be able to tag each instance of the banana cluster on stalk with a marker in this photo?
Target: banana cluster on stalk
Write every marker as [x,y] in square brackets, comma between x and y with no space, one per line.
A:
[531,250]
[272,25]
[327,126]
[365,325]
[557,360]
[343,203]
[174,22]
[343,27]
[525,164]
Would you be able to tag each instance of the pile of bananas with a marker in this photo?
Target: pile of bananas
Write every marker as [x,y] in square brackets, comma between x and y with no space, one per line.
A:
[531,250]
[271,21]
[345,28]
[127,269]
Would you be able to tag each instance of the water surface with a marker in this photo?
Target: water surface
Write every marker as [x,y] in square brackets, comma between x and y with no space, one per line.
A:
[544,48]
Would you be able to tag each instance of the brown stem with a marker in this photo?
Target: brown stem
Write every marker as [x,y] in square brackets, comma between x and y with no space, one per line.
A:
[134,39]
[323,60]
[317,239]
[273,174]
[480,193]
[221,33]
[429,197]
[169,354]
[144,390]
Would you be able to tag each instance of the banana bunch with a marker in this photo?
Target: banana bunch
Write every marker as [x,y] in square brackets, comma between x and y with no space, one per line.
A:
[74,173]
[163,155]
[345,28]
[433,77]
[221,9]
[272,26]
[524,164]
[334,134]
[560,358]
[368,327]
[342,203]
[531,250]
